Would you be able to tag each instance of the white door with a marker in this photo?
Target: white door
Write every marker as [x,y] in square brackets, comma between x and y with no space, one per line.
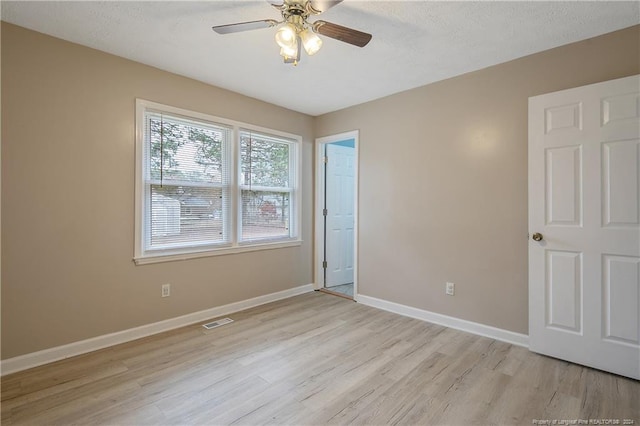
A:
[339,204]
[584,200]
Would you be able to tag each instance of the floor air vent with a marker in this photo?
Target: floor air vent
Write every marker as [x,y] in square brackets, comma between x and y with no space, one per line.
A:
[218,323]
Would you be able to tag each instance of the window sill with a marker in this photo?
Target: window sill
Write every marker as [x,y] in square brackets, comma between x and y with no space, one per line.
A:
[159,258]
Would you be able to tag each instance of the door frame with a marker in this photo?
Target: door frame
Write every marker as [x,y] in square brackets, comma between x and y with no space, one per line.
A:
[319,205]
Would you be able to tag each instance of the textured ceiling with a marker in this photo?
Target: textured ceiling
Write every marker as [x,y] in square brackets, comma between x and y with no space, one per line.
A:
[414,42]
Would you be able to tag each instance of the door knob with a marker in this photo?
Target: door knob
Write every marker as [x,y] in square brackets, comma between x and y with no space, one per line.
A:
[537,236]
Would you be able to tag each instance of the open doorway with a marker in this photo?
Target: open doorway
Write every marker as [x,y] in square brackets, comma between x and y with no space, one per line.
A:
[336,214]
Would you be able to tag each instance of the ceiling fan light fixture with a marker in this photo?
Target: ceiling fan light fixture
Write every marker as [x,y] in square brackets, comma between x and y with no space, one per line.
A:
[289,52]
[286,36]
[311,42]
[292,55]
[295,32]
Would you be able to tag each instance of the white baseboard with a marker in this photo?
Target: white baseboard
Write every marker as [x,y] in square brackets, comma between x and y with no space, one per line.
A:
[447,321]
[34,359]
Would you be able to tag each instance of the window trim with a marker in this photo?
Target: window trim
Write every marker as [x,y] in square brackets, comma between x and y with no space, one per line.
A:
[235,245]
[293,196]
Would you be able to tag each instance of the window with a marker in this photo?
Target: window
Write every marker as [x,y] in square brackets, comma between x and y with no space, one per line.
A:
[209,186]
[265,184]
[186,187]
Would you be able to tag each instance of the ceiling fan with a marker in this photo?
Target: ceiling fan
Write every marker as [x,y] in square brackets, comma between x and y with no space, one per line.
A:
[296,32]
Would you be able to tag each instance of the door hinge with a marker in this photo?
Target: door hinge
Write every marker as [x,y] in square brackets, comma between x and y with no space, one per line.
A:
[324,212]
[324,264]
[325,159]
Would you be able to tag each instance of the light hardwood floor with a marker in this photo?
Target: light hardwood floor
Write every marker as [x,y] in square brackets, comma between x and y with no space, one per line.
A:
[315,359]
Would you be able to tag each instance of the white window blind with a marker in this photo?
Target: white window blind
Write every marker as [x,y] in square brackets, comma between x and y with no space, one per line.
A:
[266,186]
[186,182]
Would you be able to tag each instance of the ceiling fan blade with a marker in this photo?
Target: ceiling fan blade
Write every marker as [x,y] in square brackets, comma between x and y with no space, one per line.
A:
[338,32]
[276,3]
[319,6]
[244,26]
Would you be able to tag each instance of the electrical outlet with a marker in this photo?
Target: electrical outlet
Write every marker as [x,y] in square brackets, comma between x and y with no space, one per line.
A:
[450,289]
[166,290]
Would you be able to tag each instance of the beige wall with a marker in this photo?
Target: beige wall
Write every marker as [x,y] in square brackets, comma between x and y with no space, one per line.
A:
[443,190]
[443,180]
[68,194]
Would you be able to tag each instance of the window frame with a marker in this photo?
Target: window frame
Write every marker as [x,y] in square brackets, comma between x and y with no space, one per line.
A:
[235,244]
[293,172]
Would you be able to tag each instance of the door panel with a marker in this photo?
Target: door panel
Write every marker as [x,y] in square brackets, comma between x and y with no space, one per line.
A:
[621,297]
[621,183]
[564,290]
[616,109]
[563,118]
[584,197]
[564,186]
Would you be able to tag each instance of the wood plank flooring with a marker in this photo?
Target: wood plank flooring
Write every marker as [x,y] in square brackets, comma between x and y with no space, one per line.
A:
[315,359]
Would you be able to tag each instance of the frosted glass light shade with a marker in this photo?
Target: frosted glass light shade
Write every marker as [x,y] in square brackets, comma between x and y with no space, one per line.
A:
[311,42]
[289,52]
[286,36]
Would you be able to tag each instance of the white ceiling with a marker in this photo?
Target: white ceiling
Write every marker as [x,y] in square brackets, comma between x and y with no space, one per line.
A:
[414,42]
